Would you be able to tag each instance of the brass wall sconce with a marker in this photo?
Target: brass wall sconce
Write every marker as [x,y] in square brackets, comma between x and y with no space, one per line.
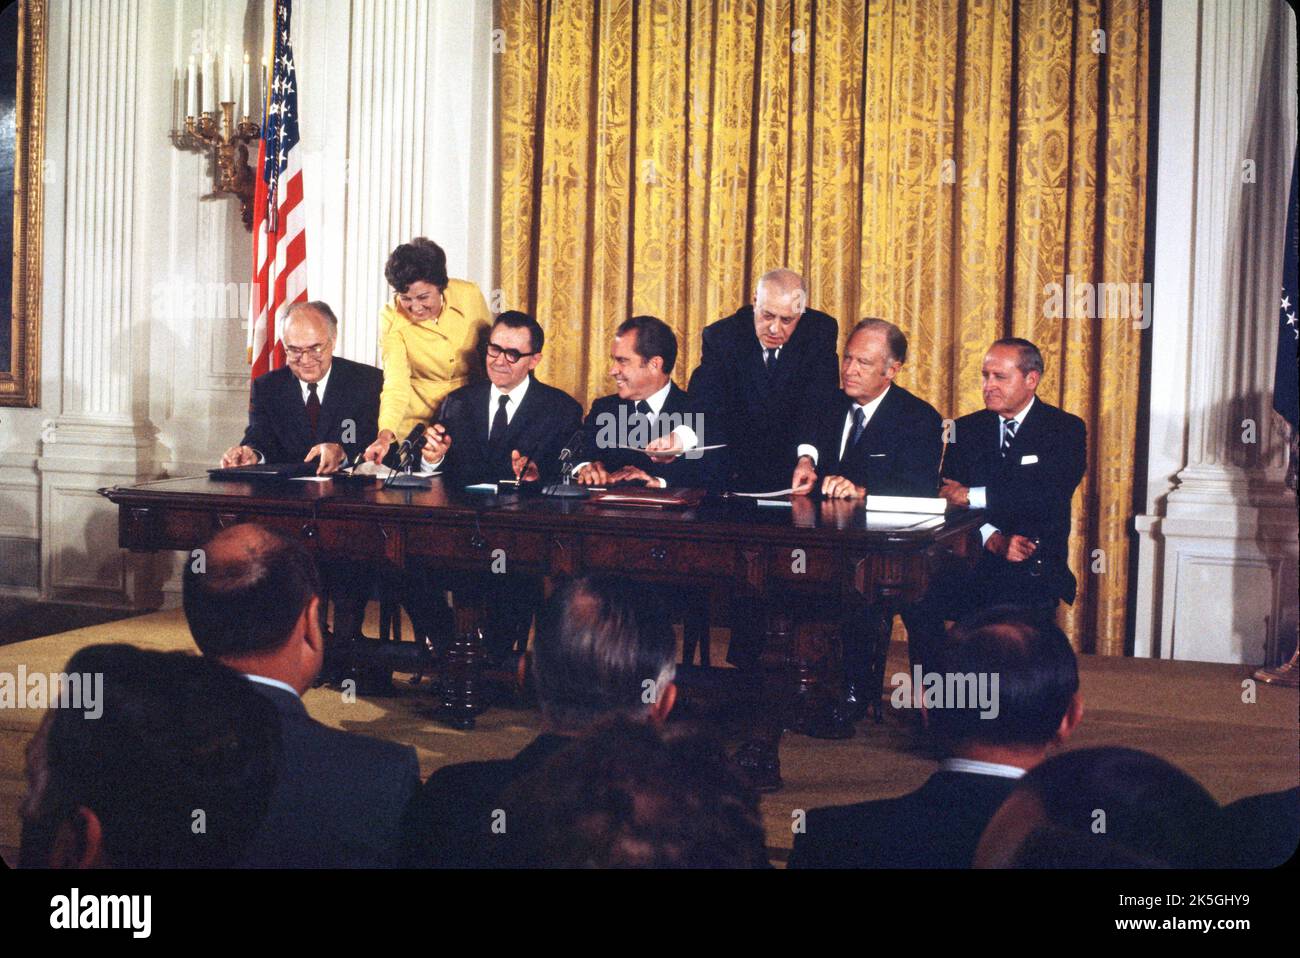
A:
[215,128]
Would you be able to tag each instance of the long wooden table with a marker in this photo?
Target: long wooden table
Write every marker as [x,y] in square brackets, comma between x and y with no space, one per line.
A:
[814,560]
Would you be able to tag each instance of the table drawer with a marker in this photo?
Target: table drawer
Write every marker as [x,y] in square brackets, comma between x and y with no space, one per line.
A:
[801,564]
[467,547]
[669,556]
[145,527]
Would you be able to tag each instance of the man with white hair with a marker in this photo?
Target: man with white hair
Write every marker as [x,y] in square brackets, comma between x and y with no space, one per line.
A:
[317,407]
[322,409]
[770,369]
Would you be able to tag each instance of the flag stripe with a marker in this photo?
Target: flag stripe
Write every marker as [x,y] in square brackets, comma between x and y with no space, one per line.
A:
[279,225]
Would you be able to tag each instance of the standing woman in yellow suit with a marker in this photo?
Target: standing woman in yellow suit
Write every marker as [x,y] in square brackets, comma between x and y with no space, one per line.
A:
[430,336]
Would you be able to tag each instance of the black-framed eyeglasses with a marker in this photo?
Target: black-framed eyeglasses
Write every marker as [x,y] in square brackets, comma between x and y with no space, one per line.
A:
[512,355]
[314,351]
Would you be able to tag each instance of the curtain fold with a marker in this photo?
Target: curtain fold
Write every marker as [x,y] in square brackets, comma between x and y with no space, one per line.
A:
[948,165]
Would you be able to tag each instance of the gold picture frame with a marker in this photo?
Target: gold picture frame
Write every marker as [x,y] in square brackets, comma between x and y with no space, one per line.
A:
[20,355]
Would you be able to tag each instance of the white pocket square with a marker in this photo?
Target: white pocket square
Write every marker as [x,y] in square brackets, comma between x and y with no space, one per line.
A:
[1028,460]
[877,455]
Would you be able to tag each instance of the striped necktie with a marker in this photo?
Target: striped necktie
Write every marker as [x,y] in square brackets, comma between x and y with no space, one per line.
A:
[1008,434]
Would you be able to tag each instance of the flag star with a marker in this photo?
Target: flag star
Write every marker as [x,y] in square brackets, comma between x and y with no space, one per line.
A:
[1286,302]
[283,13]
[284,35]
[288,86]
[289,65]
[282,157]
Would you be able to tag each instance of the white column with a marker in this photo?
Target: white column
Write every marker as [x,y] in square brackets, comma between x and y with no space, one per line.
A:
[1218,540]
[412,154]
[101,434]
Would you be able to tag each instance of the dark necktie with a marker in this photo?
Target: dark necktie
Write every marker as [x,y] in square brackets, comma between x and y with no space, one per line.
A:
[313,409]
[859,424]
[643,408]
[1008,434]
[769,359]
[499,422]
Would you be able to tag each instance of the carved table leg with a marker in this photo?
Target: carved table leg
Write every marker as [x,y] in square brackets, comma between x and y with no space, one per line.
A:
[461,672]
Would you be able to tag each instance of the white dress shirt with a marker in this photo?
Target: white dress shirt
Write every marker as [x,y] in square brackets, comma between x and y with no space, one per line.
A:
[274,683]
[978,495]
[868,410]
[976,767]
[302,386]
[515,398]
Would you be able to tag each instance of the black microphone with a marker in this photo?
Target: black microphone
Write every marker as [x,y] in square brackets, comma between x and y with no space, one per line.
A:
[564,489]
[416,434]
[572,447]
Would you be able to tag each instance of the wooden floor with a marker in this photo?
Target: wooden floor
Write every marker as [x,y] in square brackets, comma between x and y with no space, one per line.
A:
[1195,715]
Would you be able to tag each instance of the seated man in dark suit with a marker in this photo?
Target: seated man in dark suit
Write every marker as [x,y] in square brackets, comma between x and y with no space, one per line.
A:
[631,795]
[317,407]
[1020,460]
[988,734]
[769,370]
[649,412]
[174,733]
[875,437]
[601,650]
[509,427]
[340,799]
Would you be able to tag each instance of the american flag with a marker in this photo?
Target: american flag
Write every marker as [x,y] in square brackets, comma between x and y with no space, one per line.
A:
[1286,380]
[279,233]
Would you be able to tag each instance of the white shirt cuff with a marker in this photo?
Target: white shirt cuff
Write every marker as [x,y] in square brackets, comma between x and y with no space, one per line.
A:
[688,437]
[806,450]
[978,496]
[987,530]
[427,468]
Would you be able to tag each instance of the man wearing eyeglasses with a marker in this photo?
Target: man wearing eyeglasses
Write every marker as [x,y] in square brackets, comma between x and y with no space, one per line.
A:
[317,408]
[510,427]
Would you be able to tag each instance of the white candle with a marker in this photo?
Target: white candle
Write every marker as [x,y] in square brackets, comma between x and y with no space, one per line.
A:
[225,77]
[209,84]
[191,91]
[243,90]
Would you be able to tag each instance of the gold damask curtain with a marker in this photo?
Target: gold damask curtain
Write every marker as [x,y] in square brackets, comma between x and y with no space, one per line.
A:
[939,164]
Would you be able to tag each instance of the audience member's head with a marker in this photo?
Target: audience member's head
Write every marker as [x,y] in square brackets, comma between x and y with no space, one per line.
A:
[630,795]
[251,598]
[602,648]
[1026,667]
[175,772]
[1114,796]
[1051,846]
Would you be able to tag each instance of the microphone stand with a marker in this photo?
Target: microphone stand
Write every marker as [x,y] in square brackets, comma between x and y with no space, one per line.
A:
[566,488]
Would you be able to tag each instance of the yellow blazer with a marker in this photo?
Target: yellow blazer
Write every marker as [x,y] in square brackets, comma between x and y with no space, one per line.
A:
[425,361]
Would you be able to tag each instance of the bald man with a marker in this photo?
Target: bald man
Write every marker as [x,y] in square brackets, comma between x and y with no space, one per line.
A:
[770,369]
[340,799]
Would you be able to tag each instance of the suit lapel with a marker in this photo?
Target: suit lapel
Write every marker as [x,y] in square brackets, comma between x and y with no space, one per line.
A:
[521,422]
[333,404]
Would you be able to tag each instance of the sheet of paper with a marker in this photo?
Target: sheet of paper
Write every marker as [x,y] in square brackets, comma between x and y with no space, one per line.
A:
[721,445]
[309,478]
[915,504]
[763,495]
[482,487]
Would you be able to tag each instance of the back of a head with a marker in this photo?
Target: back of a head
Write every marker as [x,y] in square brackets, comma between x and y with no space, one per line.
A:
[602,648]
[629,795]
[246,590]
[1142,803]
[178,768]
[1024,660]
